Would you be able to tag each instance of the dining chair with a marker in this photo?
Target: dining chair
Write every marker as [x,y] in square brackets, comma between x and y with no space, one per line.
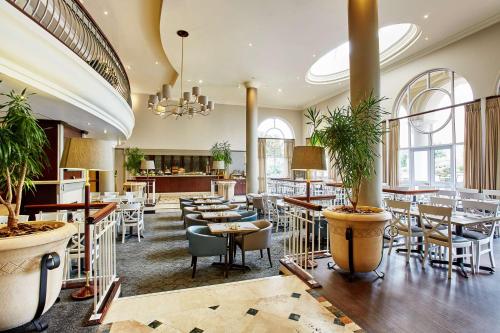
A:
[203,244]
[482,234]
[245,216]
[111,194]
[131,216]
[95,196]
[254,241]
[401,224]
[433,218]
[21,219]
[52,216]
[195,219]
[491,194]
[444,202]
[451,194]
[470,193]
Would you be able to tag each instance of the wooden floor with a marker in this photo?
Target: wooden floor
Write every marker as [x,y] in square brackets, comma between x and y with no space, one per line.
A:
[411,299]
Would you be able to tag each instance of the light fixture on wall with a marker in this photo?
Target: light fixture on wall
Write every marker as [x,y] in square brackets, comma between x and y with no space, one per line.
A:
[189,104]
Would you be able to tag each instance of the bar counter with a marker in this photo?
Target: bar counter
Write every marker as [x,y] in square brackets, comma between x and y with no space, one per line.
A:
[181,183]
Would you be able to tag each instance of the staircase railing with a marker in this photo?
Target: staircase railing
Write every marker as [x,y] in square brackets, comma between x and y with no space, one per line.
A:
[70,23]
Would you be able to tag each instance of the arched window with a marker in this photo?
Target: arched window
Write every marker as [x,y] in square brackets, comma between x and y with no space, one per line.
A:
[277,136]
[431,145]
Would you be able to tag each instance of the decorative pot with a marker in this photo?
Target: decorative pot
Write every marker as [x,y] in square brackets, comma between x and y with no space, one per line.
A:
[367,232]
[20,262]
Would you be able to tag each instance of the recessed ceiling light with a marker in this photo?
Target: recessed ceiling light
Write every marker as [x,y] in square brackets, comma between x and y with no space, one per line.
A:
[426,38]
[239,86]
[426,16]
[88,124]
[105,12]
[314,55]
[200,81]
[280,90]
[128,67]
[250,44]
[298,77]
[156,62]
[105,131]
[189,80]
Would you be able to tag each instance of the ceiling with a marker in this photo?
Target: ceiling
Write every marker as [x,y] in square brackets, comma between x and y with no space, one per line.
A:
[132,27]
[275,42]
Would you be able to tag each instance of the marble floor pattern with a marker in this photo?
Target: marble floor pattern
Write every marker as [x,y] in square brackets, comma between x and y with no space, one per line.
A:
[273,304]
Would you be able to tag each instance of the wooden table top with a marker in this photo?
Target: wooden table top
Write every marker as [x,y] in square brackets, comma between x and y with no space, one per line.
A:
[207,201]
[409,190]
[212,208]
[232,228]
[219,215]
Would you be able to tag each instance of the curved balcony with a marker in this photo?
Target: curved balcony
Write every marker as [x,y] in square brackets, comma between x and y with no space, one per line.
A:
[67,56]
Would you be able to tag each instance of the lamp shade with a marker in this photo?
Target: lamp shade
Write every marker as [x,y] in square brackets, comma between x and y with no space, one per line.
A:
[147,165]
[308,158]
[87,154]
[218,165]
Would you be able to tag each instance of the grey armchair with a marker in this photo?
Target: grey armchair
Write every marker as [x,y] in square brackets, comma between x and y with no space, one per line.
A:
[195,219]
[246,216]
[257,240]
[204,244]
[185,211]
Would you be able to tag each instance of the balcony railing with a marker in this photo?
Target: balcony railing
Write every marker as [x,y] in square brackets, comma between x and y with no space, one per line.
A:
[72,25]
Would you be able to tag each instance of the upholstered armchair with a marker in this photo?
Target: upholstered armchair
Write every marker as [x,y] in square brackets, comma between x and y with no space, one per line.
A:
[246,216]
[185,211]
[195,219]
[203,244]
[259,240]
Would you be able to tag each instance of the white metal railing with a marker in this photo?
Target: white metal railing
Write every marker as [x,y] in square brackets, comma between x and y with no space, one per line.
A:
[103,260]
[306,235]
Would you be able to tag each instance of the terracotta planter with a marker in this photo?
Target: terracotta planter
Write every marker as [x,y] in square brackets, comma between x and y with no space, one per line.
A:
[20,259]
[367,233]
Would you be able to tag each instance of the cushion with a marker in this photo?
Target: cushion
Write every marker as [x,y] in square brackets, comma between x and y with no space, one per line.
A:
[475,235]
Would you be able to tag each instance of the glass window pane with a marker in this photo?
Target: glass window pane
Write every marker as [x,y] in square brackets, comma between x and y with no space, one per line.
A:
[403,133]
[463,91]
[459,124]
[420,166]
[441,79]
[418,139]
[443,136]
[442,165]
[459,164]
[404,167]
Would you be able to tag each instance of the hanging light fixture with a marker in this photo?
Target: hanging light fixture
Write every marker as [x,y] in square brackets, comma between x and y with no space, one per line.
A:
[189,103]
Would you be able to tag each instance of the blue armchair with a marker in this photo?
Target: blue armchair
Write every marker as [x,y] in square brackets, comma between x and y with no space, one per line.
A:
[246,216]
[204,244]
[195,219]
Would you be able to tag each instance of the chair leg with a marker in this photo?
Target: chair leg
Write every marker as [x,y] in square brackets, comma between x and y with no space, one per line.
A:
[226,267]
[408,249]
[243,257]
[192,261]
[220,258]
[477,248]
[195,259]
[492,256]
[139,232]
[390,245]
[426,253]
[261,254]
[123,233]
[450,262]
[472,259]
[269,256]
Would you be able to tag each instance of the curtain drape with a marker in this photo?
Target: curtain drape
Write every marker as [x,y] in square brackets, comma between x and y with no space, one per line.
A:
[289,145]
[393,164]
[262,165]
[472,146]
[491,178]
[385,172]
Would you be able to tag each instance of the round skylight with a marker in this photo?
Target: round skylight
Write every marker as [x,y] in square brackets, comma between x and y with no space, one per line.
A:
[334,65]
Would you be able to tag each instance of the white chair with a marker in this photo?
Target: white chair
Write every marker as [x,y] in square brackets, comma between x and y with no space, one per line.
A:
[491,194]
[451,194]
[132,216]
[401,224]
[481,235]
[52,216]
[470,193]
[111,194]
[444,202]
[433,218]
[21,219]
[95,196]
[75,251]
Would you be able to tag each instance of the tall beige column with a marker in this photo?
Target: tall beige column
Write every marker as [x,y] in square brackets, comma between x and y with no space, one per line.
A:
[365,77]
[252,164]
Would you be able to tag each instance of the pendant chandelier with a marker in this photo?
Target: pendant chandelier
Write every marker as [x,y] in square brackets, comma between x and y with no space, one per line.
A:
[189,104]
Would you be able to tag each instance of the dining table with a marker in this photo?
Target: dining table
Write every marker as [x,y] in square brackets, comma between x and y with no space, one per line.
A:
[460,220]
[213,208]
[232,230]
[199,202]
[413,191]
[220,216]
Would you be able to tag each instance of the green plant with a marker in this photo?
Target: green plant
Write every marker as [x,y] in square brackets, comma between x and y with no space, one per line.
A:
[350,134]
[221,151]
[22,152]
[133,158]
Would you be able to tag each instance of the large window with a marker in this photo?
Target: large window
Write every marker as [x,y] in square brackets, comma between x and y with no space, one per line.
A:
[431,145]
[276,132]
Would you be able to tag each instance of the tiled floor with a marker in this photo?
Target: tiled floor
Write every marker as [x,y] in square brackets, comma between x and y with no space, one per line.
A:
[275,304]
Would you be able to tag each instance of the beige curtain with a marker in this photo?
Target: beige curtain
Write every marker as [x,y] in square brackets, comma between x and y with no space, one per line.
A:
[262,165]
[384,153]
[393,160]
[472,145]
[491,179]
[289,145]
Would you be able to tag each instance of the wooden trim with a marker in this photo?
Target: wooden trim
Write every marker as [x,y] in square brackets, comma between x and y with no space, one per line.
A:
[410,191]
[435,110]
[494,96]
[102,213]
[299,201]
[106,305]
[292,268]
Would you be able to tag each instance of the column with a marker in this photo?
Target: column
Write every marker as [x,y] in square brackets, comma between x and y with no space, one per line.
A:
[365,77]
[252,164]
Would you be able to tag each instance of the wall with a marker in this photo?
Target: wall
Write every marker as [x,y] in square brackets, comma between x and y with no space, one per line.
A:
[227,122]
[476,57]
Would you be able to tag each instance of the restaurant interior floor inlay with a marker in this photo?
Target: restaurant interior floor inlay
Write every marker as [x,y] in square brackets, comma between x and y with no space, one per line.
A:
[274,304]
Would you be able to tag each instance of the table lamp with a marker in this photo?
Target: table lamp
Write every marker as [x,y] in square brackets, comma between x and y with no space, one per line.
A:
[87,154]
[147,165]
[308,158]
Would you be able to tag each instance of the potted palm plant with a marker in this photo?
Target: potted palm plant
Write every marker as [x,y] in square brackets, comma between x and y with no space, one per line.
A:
[350,134]
[23,245]
[221,154]
[133,158]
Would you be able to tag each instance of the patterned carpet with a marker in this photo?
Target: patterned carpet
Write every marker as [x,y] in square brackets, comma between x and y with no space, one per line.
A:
[160,262]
